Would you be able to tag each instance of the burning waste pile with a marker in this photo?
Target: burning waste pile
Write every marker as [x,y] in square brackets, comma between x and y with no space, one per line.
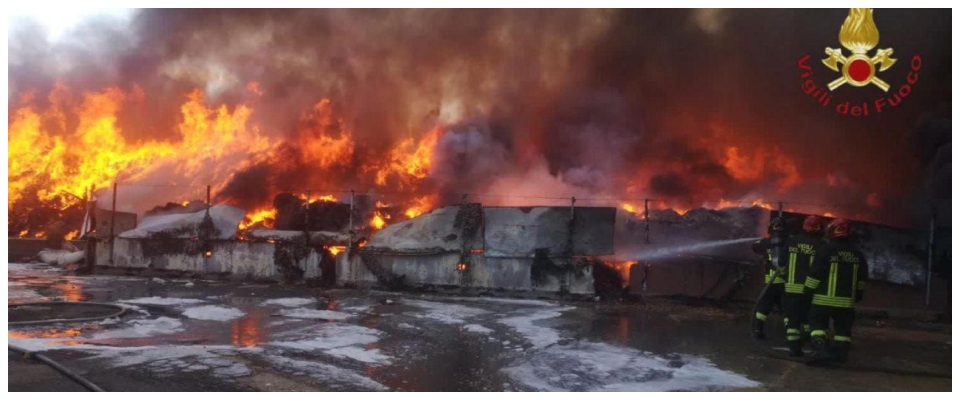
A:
[415,121]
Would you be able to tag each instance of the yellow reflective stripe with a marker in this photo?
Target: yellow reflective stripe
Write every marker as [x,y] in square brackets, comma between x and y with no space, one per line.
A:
[840,338]
[806,328]
[793,338]
[793,267]
[761,316]
[822,300]
[818,332]
[812,282]
[792,330]
[794,288]
[832,283]
[861,285]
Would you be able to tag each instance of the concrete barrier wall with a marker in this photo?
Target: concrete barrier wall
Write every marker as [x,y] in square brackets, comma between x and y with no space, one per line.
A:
[494,273]
[237,258]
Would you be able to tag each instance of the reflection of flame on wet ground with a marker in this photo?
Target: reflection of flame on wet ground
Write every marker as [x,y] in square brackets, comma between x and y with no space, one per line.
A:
[248,331]
[71,290]
[54,333]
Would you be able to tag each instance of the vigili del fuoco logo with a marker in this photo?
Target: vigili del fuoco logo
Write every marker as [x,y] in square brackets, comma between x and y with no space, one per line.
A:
[859,69]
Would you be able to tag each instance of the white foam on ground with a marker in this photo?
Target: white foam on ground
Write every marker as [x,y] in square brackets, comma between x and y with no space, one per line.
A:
[23,267]
[213,313]
[168,360]
[289,302]
[538,336]
[372,356]
[589,366]
[17,294]
[331,377]
[445,312]
[518,302]
[161,301]
[477,328]
[306,313]
[336,339]
[143,328]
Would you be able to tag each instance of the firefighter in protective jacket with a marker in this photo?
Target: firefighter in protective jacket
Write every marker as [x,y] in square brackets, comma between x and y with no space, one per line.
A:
[836,281]
[796,261]
[768,248]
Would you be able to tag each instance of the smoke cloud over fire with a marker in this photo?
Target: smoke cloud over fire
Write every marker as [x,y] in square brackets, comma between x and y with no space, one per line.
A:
[417,107]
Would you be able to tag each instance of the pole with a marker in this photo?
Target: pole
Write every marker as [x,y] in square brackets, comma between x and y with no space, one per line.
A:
[780,210]
[933,228]
[573,200]
[113,222]
[350,228]
[646,219]
[306,214]
[208,198]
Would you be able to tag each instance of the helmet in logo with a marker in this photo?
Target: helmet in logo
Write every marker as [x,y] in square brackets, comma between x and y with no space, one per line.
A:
[776,226]
[838,228]
[812,224]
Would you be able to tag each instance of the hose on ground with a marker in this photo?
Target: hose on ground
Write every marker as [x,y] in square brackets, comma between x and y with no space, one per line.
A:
[56,366]
[121,309]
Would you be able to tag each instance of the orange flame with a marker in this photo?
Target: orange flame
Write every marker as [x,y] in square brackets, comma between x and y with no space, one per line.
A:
[265,216]
[409,160]
[421,205]
[378,221]
[334,250]
[94,152]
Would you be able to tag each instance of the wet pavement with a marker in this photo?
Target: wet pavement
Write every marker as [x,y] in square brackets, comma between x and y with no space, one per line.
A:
[193,335]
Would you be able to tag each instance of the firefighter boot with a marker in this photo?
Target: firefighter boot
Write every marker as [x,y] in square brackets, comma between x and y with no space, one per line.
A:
[840,351]
[820,350]
[795,348]
[757,329]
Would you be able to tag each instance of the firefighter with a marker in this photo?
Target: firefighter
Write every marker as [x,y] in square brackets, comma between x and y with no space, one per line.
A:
[768,248]
[836,281]
[796,261]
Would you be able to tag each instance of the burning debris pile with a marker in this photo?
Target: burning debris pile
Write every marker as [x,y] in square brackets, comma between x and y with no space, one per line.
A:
[511,106]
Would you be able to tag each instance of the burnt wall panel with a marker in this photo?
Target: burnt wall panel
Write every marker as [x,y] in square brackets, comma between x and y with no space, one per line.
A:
[519,231]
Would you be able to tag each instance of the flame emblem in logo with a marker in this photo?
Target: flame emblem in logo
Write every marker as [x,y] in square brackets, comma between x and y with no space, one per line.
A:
[859,35]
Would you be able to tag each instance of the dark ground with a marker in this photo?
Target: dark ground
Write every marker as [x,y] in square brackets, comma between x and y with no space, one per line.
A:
[369,340]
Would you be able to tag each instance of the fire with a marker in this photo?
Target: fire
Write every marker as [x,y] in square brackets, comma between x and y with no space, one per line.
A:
[623,267]
[50,155]
[23,233]
[410,160]
[325,140]
[421,205]
[334,250]
[72,235]
[378,221]
[629,208]
[329,198]
[265,215]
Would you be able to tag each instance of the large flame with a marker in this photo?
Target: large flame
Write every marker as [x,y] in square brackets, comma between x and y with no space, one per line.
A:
[859,33]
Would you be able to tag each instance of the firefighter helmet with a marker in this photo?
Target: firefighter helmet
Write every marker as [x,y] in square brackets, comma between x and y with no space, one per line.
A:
[812,224]
[838,228]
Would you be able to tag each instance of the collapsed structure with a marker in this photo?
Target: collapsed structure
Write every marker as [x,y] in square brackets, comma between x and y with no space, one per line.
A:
[700,253]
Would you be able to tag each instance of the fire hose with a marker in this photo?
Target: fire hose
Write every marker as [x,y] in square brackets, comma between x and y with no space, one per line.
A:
[57,367]
[768,353]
